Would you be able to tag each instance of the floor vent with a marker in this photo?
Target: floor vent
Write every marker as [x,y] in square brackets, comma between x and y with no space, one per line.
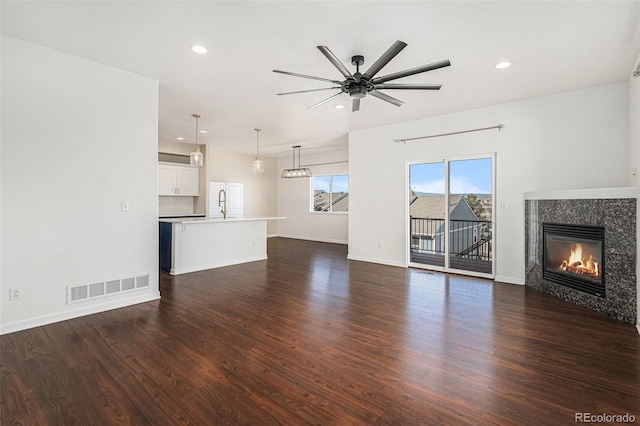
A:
[82,293]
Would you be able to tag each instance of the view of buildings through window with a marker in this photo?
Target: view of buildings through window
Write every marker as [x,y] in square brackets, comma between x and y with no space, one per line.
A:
[330,193]
[469,214]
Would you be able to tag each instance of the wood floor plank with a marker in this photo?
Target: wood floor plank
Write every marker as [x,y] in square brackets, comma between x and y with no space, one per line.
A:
[308,337]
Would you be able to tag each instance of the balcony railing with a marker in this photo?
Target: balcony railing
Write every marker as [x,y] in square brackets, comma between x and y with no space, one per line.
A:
[470,243]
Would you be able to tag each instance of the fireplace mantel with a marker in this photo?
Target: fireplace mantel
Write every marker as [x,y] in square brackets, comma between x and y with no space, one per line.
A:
[584,194]
[616,209]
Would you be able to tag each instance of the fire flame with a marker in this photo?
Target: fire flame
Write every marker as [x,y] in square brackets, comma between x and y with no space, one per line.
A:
[578,265]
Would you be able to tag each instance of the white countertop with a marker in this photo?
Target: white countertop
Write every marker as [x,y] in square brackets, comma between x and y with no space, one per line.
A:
[194,220]
[177,216]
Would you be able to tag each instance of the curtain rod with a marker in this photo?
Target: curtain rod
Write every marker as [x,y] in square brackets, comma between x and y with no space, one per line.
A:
[499,127]
[324,164]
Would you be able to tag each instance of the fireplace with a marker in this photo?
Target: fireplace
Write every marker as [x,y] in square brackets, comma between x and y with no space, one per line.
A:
[612,210]
[573,256]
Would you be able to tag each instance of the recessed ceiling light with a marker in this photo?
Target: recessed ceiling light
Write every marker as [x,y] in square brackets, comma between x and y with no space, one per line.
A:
[203,131]
[502,65]
[180,138]
[338,106]
[199,48]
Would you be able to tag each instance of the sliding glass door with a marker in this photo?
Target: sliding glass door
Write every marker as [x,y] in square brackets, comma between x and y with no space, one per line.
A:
[451,215]
[427,225]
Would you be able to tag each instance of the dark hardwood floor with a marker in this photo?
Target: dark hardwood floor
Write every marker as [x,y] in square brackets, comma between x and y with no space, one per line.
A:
[308,337]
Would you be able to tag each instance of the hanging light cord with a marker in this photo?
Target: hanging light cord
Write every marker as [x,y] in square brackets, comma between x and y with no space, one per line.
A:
[196,116]
[257,142]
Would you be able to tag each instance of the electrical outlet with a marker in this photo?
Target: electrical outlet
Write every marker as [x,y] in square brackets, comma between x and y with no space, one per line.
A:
[379,246]
[124,207]
[14,293]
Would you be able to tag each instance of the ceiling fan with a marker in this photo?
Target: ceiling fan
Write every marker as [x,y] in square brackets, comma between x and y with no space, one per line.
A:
[358,85]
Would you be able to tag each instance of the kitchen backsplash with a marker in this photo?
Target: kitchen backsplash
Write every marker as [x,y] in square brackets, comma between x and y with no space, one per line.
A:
[175,205]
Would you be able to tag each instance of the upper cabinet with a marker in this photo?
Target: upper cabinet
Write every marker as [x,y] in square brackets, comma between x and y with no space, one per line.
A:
[177,179]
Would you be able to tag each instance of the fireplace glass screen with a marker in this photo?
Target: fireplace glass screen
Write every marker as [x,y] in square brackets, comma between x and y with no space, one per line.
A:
[574,257]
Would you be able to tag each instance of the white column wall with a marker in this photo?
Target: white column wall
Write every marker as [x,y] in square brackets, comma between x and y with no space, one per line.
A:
[294,201]
[634,152]
[634,128]
[78,138]
[571,140]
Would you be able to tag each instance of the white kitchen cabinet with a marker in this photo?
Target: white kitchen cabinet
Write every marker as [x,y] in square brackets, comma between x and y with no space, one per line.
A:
[176,179]
[234,198]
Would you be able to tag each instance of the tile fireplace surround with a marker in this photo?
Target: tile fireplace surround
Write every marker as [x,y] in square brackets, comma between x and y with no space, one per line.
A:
[616,210]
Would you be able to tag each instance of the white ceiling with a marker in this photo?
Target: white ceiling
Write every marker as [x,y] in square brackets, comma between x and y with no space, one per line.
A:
[555,47]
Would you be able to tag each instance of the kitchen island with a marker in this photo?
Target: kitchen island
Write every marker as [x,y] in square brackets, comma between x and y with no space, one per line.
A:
[195,244]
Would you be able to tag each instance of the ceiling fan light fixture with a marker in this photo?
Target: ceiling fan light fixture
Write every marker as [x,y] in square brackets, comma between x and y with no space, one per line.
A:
[296,172]
[357,91]
[258,164]
[196,158]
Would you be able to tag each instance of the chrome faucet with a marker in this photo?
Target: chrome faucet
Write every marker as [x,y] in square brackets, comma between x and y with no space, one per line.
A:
[222,198]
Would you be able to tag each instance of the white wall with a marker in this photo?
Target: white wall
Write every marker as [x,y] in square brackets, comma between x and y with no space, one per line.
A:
[78,138]
[294,201]
[260,189]
[634,155]
[634,131]
[570,140]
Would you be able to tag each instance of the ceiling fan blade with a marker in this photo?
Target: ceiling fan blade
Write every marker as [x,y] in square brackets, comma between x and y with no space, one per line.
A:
[386,98]
[308,76]
[356,105]
[409,86]
[336,62]
[306,91]
[384,59]
[412,71]
[326,100]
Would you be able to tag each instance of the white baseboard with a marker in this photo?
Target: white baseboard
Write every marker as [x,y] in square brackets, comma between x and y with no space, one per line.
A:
[509,280]
[320,240]
[378,261]
[638,327]
[78,311]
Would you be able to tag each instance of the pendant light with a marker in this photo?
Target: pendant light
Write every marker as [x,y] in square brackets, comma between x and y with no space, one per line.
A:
[296,172]
[195,158]
[258,164]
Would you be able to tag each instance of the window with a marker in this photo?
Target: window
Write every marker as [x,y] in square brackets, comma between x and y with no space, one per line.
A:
[330,193]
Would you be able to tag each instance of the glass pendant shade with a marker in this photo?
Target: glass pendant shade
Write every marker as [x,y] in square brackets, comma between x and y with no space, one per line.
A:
[196,158]
[258,164]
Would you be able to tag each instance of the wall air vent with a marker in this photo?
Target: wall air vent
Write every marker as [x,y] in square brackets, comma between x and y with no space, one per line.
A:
[84,292]
[75,294]
[142,281]
[128,284]
[113,286]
